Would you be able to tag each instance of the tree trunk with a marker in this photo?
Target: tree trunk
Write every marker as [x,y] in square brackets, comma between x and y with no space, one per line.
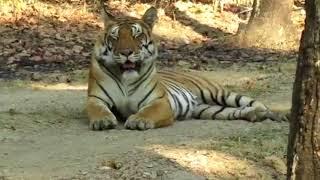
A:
[269,24]
[276,11]
[304,137]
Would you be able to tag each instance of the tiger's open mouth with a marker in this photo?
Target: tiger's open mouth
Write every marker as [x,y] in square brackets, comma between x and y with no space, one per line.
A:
[130,66]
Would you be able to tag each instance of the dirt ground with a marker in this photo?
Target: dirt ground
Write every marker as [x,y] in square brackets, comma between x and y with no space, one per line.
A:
[44,134]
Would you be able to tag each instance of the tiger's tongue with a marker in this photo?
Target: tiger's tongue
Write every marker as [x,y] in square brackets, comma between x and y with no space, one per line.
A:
[129,65]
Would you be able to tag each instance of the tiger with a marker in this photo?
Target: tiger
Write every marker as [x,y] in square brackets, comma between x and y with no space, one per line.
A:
[125,85]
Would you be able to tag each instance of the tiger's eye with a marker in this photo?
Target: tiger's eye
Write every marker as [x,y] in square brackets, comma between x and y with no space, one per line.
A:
[136,30]
[114,32]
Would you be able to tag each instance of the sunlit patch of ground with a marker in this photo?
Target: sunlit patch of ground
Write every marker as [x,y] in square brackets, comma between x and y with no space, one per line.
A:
[32,12]
[59,86]
[211,163]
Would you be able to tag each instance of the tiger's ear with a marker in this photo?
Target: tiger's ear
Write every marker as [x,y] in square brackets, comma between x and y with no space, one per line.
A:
[150,16]
[106,16]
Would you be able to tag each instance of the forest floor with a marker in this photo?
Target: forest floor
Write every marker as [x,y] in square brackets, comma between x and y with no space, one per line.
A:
[43,73]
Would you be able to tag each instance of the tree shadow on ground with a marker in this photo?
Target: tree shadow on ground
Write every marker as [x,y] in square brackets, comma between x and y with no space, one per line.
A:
[39,43]
[205,30]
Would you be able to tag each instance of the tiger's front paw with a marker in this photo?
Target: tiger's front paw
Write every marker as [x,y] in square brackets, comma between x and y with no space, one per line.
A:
[136,122]
[103,124]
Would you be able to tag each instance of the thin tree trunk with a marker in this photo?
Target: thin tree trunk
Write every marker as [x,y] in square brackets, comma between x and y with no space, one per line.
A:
[304,137]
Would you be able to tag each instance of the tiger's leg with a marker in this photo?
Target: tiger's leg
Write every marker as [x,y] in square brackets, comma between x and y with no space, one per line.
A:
[99,114]
[254,110]
[154,115]
[250,113]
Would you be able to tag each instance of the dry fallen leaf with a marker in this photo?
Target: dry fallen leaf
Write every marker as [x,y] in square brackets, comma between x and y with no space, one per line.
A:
[36,58]
[11,60]
[77,48]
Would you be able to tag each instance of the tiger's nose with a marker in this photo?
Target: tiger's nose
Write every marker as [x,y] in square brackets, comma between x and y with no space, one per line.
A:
[126,52]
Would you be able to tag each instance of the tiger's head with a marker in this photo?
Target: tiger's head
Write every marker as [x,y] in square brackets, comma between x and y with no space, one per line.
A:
[127,45]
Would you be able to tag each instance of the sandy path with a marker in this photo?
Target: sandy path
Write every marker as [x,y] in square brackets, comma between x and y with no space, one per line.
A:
[44,134]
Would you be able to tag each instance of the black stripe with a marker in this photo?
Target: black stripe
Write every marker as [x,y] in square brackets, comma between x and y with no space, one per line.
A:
[217,112]
[136,87]
[139,83]
[112,75]
[109,71]
[200,113]
[104,101]
[251,102]
[106,93]
[202,97]
[195,84]
[160,96]
[148,94]
[187,100]
[187,110]
[109,47]
[237,100]
[157,98]
[233,114]
[146,47]
[201,91]
[188,106]
[223,98]
[179,106]
[174,100]
[104,39]
[214,99]
[177,90]
[145,74]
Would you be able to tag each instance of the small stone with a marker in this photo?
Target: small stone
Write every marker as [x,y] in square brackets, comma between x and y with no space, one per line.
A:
[85,54]
[245,55]
[118,165]
[77,48]
[258,58]
[48,54]
[146,174]
[47,41]
[36,58]
[271,58]
[104,168]
[153,175]
[35,76]
[84,173]
[24,54]
[11,60]
[183,63]
[64,79]
[149,165]
[213,61]
[160,172]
